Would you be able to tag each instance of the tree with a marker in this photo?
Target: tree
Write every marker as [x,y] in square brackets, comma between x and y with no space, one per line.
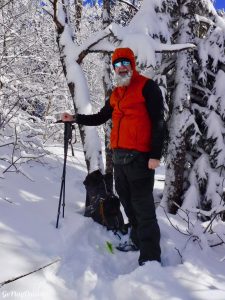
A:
[206,179]
[21,107]
[107,84]
[76,79]
[181,117]
[195,161]
[40,77]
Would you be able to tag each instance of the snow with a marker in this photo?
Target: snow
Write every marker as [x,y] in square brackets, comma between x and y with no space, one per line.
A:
[220,92]
[215,131]
[93,42]
[82,266]
[75,75]
[143,45]
[86,269]
[141,22]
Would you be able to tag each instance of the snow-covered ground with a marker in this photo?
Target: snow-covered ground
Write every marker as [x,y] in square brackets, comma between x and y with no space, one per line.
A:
[86,269]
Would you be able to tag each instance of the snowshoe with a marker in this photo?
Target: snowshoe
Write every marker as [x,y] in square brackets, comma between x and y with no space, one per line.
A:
[127,246]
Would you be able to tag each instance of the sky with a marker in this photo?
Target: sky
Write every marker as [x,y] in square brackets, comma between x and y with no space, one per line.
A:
[220,4]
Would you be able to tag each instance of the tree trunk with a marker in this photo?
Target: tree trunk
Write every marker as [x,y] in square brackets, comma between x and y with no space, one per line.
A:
[78,13]
[93,156]
[107,84]
[180,111]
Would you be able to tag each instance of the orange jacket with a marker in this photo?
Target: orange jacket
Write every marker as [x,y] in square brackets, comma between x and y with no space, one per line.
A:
[137,113]
[130,119]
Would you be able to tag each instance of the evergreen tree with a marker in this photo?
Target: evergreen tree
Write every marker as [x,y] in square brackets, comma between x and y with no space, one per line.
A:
[196,156]
[206,179]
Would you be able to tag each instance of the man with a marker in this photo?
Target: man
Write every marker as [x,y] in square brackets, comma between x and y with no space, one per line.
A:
[136,109]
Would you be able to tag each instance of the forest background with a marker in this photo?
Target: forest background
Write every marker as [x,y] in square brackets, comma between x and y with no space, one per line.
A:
[55,56]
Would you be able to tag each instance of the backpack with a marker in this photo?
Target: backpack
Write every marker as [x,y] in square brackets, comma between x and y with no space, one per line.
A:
[102,205]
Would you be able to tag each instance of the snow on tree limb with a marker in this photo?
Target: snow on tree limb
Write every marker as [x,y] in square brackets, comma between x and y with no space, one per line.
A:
[77,85]
[91,43]
[129,4]
[174,48]
[99,43]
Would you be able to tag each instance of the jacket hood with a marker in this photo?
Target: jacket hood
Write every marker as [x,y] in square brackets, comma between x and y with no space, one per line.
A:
[124,53]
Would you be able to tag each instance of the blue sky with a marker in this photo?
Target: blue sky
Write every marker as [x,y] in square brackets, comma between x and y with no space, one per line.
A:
[220,4]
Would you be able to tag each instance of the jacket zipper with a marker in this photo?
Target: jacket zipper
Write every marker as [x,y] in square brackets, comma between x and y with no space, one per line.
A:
[121,98]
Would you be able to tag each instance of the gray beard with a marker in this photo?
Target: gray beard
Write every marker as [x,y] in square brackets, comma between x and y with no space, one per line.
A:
[123,80]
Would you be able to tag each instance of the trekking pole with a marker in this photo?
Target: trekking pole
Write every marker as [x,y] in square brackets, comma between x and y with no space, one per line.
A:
[67,139]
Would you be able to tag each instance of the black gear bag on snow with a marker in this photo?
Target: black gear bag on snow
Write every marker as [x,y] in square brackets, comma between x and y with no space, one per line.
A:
[101,203]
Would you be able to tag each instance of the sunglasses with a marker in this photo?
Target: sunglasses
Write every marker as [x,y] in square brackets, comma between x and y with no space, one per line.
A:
[121,63]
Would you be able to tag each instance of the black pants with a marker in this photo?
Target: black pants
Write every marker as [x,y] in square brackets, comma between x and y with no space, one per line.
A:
[134,184]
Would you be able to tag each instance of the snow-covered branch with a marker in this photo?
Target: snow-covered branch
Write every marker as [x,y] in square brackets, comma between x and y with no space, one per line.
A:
[211,213]
[165,48]
[92,43]
[194,230]
[202,19]
[174,226]
[77,84]
[129,4]
[19,154]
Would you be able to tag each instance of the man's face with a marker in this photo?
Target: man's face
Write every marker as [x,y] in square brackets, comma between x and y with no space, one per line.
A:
[123,67]
[123,72]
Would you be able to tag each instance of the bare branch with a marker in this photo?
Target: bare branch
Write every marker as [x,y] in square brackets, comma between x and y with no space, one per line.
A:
[17,55]
[220,243]
[7,144]
[15,161]
[210,223]
[48,12]
[181,257]
[8,113]
[5,199]
[5,4]
[24,275]
[14,32]
[187,214]
[175,227]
